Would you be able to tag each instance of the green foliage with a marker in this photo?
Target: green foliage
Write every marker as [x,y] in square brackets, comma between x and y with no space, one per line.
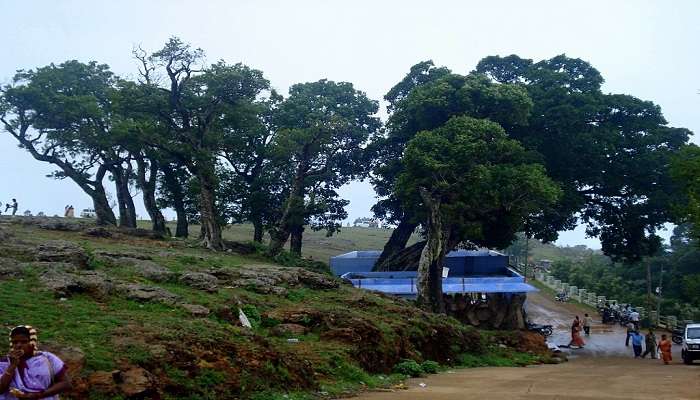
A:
[430,367]
[251,311]
[409,368]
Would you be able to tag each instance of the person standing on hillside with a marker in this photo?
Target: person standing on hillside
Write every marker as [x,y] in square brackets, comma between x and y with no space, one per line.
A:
[665,347]
[13,206]
[650,342]
[587,321]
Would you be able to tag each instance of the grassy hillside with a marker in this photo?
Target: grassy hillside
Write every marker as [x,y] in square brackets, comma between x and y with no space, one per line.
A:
[145,318]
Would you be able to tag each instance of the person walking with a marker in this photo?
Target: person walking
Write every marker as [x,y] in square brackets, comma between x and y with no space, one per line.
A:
[576,339]
[665,346]
[587,321]
[634,317]
[650,342]
[630,329]
[637,340]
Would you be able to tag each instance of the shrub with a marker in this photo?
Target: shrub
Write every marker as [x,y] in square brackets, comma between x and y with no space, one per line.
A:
[408,367]
[430,367]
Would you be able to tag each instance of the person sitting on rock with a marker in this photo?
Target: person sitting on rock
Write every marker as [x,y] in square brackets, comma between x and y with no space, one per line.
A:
[26,373]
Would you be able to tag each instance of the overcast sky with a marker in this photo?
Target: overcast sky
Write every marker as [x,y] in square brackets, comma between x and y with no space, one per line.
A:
[643,48]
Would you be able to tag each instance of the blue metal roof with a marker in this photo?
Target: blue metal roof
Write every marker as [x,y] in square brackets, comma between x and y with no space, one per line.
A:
[406,286]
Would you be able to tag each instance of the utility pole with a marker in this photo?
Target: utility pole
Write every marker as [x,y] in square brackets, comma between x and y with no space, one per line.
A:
[659,290]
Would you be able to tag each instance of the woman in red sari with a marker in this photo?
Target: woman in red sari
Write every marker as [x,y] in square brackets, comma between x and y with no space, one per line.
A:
[576,339]
[665,347]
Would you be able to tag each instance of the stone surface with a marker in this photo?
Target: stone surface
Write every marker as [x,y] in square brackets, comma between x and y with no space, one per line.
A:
[102,382]
[268,279]
[288,329]
[150,270]
[73,357]
[10,268]
[98,231]
[122,254]
[144,293]
[62,250]
[136,382]
[200,280]
[196,310]
[64,284]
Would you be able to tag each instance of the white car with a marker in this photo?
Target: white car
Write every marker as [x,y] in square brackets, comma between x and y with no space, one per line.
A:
[691,343]
[87,213]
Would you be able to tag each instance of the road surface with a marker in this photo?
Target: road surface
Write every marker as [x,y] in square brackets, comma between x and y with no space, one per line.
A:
[603,369]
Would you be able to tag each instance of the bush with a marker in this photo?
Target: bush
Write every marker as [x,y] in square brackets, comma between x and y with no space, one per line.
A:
[408,367]
[252,313]
[430,367]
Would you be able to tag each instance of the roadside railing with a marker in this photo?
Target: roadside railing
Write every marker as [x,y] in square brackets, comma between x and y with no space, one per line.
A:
[595,300]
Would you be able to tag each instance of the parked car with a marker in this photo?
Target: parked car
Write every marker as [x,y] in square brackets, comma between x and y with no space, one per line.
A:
[87,213]
[691,343]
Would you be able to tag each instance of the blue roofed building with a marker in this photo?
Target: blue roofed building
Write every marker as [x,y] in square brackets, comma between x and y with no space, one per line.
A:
[479,286]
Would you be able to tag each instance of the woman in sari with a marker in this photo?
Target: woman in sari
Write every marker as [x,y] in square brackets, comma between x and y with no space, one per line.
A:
[576,339]
[26,373]
[665,347]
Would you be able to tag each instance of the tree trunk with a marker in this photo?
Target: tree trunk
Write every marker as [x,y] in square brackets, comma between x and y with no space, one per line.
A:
[127,210]
[293,215]
[175,189]
[207,208]
[148,188]
[103,212]
[429,284]
[397,242]
[257,230]
[295,240]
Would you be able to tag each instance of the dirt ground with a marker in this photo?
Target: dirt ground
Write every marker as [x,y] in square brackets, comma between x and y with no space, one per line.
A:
[603,369]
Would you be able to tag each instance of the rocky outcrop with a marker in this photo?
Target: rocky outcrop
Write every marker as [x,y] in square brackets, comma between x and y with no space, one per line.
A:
[65,284]
[62,250]
[144,293]
[288,330]
[269,279]
[200,280]
[196,310]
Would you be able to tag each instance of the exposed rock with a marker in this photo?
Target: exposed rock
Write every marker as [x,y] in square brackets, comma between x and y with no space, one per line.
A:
[5,235]
[136,382]
[143,293]
[122,254]
[102,382]
[288,329]
[61,250]
[268,279]
[10,268]
[98,231]
[196,310]
[139,232]
[146,268]
[64,284]
[200,280]
[49,266]
[59,224]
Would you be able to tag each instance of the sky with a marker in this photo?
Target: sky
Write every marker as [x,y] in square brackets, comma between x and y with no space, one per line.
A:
[648,49]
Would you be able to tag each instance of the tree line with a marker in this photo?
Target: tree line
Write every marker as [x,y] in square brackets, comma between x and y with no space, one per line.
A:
[471,159]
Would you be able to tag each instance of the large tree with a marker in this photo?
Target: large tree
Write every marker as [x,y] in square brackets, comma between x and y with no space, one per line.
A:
[62,115]
[473,185]
[323,127]
[429,98]
[196,103]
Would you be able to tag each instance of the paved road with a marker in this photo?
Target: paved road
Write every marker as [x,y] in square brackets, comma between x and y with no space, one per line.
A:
[604,369]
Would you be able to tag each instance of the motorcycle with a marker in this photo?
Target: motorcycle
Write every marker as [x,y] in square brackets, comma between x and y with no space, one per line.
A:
[563,297]
[544,330]
[677,336]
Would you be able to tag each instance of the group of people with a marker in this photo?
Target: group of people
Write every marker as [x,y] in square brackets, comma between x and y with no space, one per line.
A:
[27,373]
[14,206]
[69,212]
[664,346]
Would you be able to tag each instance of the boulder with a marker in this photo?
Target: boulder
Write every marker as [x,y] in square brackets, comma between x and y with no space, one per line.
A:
[288,330]
[144,293]
[267,279]
[64,284]
[200,280]
[196,310]
[317,281]
[102,382]
[5,235]
[136,382]
[149,269]
[98,231]
[59,224]
[62,250]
